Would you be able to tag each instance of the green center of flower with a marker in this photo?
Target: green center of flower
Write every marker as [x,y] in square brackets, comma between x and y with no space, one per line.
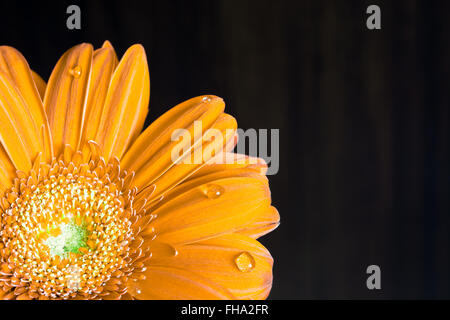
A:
[70,239]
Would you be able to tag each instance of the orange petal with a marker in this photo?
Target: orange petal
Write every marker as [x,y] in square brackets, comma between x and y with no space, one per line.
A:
[263,220]
[238,165]
[197,180]
[7,171]
[231,144]
[228,161]
[19,133]
[126,104]
[171,283]
[108,45]
[266,221]
[178,172]
[236,262]
[211,209]
[103,66]
[150,155]
[40,84]
[14,65]
[65,97]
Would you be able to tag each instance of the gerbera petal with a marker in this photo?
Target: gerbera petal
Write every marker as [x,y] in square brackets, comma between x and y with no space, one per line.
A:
[103,66]
[229,161]
[40,84]
[152,149]
[266,221]
[108,45]
[126,104]
[19,133]
[14,65]
[235,165]
[171,283]
[197,180]
[178,172]
[211,209]
[263,220]
[7,171]
[236,262]
[65,97]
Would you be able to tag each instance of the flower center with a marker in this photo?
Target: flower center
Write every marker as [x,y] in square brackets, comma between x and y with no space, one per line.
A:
[66,232]
[70,238]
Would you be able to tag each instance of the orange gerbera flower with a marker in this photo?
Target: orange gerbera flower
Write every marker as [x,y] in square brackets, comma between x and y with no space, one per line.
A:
[91,208]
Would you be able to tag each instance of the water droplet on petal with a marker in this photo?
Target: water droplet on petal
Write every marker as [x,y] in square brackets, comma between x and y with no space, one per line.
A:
[213,191]
[160,249]
[245,262]
[76,71]
[206,99]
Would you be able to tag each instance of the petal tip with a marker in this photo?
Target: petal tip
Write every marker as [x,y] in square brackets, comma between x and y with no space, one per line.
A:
[137,49]
[107,44]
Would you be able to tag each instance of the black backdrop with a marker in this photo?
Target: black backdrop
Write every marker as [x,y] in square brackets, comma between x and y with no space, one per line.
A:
[363,118]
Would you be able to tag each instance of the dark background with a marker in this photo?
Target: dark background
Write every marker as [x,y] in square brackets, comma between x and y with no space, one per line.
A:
[363,118]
